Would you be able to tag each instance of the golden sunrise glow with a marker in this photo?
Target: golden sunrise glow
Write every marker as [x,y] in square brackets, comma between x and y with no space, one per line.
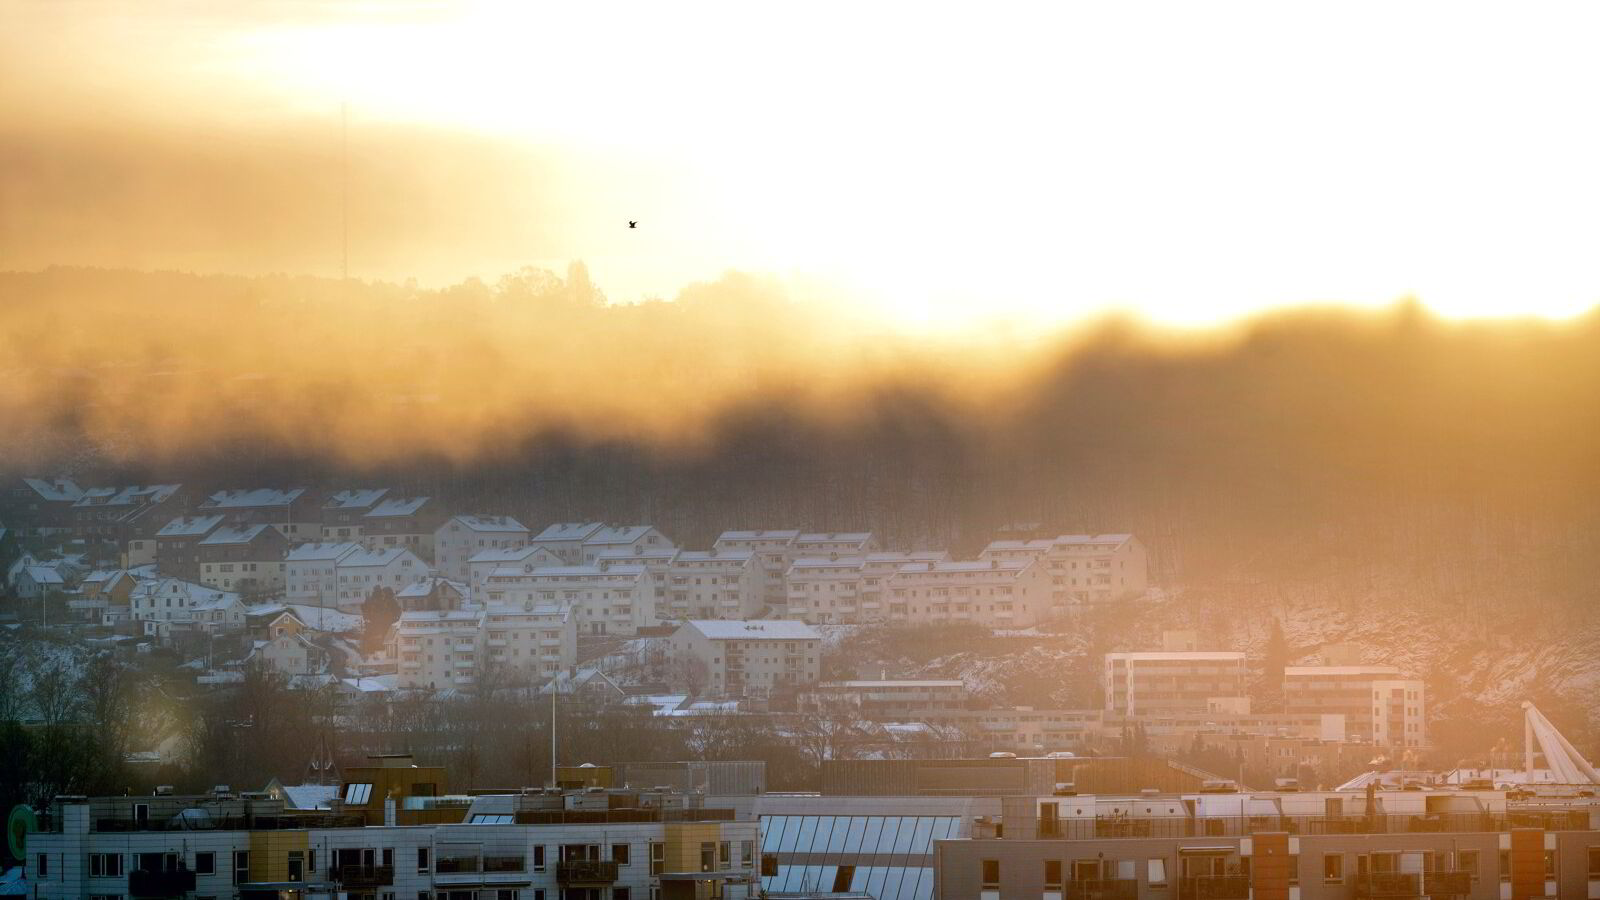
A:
[1034,164]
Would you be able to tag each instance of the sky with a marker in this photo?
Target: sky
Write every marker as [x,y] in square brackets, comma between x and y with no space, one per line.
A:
[940,165]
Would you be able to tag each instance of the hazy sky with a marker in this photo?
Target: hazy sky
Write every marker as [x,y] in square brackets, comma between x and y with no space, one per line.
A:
[943,162]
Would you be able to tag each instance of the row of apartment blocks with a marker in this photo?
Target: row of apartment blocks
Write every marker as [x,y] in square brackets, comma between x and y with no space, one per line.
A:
[1374,703]
[952,829]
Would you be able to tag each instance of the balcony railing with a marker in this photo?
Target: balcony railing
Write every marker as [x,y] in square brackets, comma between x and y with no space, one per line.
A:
[1243,826]
[164,883]
[1215,887]
[1447,884]
[359,876]
[1103,889]
[1389,884]
[586,871]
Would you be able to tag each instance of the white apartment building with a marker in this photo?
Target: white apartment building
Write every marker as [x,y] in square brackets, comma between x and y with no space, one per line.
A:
[713,584]
[657,565]
[565,539]
[878,568]
[773,551]
[311,572]
[365,571]
[462,537]
[617,599]
[1084,569]
[995,593]
[826,590]
[637,539]
[458,649]
[342,512]
[739,658]
[1166,683]
[1379,704]
[163,604]
[521,559]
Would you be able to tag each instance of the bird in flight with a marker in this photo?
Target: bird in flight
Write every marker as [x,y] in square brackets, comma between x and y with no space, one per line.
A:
[632,224]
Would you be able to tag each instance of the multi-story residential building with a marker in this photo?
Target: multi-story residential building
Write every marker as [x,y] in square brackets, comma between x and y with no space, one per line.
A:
[244,558]
[177,553]
[294,512]
[38,506]
[367,570]
[826,589]
[163,605]
[745,658]
[1378,703]
[1314,845]
[507,561]
[772,551]
[637,539]
[657,565]
[434,593]
[461,537]
[311,572]
[1084,569]
[890,699]
[103,596]
[617,599]
[341,514]
[1163,683]
[405,522]
[997,593]
[565,539]
[118,513]
[459,649]
[878,568]
[713,584]
[616,844]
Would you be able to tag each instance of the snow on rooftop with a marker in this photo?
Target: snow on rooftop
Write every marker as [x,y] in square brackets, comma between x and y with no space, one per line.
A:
[249,499]
[498,524]
[425,587]
[234,534]
[316,618]
[823,562]
[362,558]
[618,534]
[506,554]
[834,537]
[569,531]
[783,535]
[54,489]
[189,526]
[734,556]
[1340,670]
[754,629]
[355,499]
[394,507]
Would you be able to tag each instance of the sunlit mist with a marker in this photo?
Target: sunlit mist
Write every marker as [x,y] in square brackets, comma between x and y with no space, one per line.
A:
[1035,164]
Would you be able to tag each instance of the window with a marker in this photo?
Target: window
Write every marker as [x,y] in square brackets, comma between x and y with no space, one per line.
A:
[1505,865]
[658,858]
[708,856]
[747,852]
[105,865]
[1333,868]
[205,863]
[1594,863]
[991,873]
[422,859]
[357,793]
[41,866]
[1468,861]
[1156,872]
[241,866]
[1052,873]
[724,854]
[619,854]
[538,858]
[297,865]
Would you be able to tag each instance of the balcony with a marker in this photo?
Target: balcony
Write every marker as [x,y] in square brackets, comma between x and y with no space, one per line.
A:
[166,883]
[1389,884]
[1215,887]
[1103,889]
[586,872]
[1447,884]
[359,876]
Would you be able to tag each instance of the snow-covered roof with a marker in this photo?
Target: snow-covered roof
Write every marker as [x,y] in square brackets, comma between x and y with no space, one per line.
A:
[582,571]
[782,535]
[897,556]
[754,629]
[395,507]
[1041,545]
[1111,539]
[45,575]
[371,684]
[618,534]
[316,618]
[251,499]
[834,537]
[363,558]
[494,524]
[57,490]
[177,587]
[660,554]
[189,526]
[322,551]
[936,567]
[823,562]
[127,496]
[568,531]
[426,586]
[222,600]
[355,499]
[234,534]
[506,554]
[309,796]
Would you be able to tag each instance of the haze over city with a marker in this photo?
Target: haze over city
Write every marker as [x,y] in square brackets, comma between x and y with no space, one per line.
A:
[503,451]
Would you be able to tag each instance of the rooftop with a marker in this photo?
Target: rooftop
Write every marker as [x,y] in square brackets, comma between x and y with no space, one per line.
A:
[568,531]
[356,499]
[234,534]
[189,526]
[249,499]
[754,629]
[497,524]
[395,507]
